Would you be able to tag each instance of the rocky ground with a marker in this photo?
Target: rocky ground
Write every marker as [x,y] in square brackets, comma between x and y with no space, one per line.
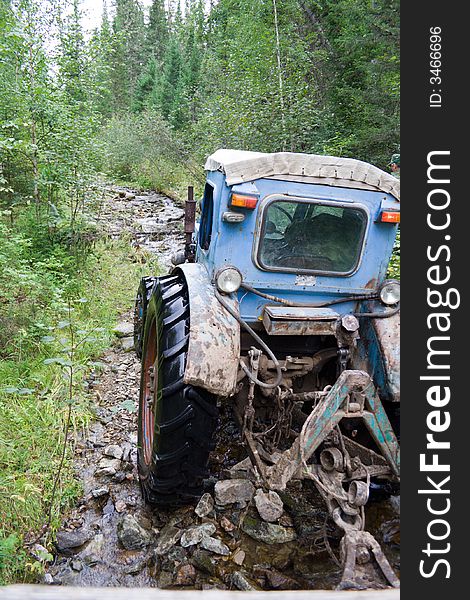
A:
[236,537]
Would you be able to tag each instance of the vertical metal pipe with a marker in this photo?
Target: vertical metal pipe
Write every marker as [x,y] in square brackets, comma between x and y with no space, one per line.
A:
[189,224]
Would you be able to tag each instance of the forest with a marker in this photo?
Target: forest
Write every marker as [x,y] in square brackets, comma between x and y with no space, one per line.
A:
[141,101]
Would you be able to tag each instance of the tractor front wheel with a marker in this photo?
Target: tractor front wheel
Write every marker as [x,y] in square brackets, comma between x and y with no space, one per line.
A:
[140,311]
[176,421]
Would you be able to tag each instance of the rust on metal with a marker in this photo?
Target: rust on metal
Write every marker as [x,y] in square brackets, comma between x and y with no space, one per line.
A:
[388,336]
[190,225]
[214,336]
[282,320]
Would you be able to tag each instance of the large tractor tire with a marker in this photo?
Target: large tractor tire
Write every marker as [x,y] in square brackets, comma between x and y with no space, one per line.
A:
[140,311]
[176,421]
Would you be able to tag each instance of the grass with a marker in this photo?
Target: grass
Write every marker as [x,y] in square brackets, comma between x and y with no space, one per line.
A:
[83,297]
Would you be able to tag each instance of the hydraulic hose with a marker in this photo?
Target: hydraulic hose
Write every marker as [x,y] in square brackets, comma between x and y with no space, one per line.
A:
[285,302]
[256,337]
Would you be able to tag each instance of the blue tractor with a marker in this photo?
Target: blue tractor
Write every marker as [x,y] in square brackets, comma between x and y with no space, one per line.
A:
[280,306]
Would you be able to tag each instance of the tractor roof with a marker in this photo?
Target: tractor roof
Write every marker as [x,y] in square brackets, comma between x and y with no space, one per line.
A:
[240,166]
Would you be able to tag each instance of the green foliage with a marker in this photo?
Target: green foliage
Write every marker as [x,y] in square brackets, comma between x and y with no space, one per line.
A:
[52,298]
[394,266]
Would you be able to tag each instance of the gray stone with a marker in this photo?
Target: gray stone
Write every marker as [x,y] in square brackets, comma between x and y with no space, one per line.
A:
[239,557]
[107,467]
[124,329]
[269,533]
[241,582]
[113,451]
[136,566]
[169,536]
[100,492]
[77,565]
[131,535]
[194,535]
[233,491]
[205,506]
[269,505]
[214,545]
[67,541]
[127,344]
[120,506]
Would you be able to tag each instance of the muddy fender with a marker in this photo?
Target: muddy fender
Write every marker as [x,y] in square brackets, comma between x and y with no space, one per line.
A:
[214,336]
[388,338]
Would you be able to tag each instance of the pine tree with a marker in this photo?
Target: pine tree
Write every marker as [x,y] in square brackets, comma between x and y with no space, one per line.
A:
[128,52]
[157,30]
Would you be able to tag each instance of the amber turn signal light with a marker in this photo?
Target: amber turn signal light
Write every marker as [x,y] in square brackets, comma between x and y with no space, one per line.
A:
[244,201]
[390,216]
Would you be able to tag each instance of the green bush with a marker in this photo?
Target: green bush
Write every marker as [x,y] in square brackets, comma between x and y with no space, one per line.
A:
[49,288]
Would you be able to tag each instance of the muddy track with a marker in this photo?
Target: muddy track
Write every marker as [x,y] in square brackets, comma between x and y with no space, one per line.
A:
[112,539]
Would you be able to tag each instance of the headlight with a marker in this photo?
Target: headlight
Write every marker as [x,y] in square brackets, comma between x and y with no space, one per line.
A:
[390,292]
[228,280]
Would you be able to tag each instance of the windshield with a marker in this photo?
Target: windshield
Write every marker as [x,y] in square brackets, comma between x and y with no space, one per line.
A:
[310,236]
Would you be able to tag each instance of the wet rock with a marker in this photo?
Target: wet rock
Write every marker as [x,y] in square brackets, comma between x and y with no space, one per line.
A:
[269,505]
[94,550]
[239,557]
[204,506]
[165,580]
[241,582]
[113,451]
[227,525]
[175,557]
[126,452]
[100,492]
[69,541]
[169,536]
[131,535]
[203,561]
[233,491]
[194,535]
[137,566]
[127,344]
[185,575]
[77,565]
[269,533]
[120,506]
[279,581]
[91,560]
[124,329]
[108,509]
[107,467]
[214,545]
[48,579]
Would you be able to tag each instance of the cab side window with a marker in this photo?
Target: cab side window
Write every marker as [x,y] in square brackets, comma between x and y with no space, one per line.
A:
[205,230]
